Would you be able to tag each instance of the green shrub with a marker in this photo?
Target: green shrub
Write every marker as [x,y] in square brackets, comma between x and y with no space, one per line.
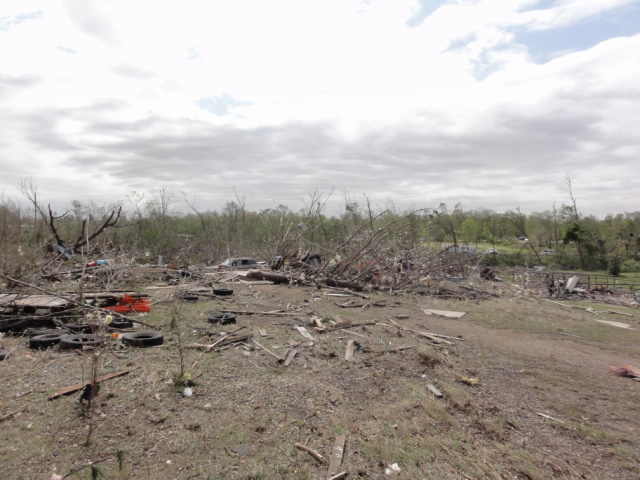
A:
[630,266]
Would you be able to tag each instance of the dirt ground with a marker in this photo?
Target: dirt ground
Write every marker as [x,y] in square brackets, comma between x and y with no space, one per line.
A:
[526,392]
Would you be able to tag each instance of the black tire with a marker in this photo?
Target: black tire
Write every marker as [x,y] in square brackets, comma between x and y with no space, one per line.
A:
[222,318]
[222,291]
[121,324]
[81,340]
[46,341]
[143,339]
[47,331]
[3,354]
[190,298]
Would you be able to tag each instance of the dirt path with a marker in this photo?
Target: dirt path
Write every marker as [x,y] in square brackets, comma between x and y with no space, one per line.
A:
[568,378]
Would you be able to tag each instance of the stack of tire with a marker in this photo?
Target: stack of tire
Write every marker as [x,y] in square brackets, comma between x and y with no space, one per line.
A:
[66,340]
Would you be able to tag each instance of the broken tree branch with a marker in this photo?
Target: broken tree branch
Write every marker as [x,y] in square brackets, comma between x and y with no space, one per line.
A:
[11,414]
[311,452]
[74,388]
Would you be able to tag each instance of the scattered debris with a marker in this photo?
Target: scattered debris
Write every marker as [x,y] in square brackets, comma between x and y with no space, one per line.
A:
[432,388]
[571,284]
[75,387]
[422,334]
[305,333]
[470,381]
[550,418]
[351,348]
[11,414]
[393,469]
[616,324]
[626,371]
[337,452]
[290,357]
[222,318]
[128,303]
[444,313]
[81,340]
[311,452]
[339,476]
[279,359]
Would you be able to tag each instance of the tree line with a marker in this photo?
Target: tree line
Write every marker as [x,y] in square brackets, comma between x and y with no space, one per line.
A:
[167,224]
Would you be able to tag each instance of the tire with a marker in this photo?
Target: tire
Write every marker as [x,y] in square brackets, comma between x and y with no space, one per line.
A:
[143,339]
[47,340]
[190,298]
[222,318]
[120,324]
[47,331]
[222,291]
[3,354]
[81,340]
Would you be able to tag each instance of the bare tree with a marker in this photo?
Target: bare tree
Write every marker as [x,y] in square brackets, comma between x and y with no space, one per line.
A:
[567,187]
[52,220]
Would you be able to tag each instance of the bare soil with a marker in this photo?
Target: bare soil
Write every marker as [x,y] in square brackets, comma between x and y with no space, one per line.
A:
[545,404]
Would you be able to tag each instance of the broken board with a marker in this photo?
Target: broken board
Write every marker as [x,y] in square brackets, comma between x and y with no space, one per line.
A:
[35,301]
[444,313]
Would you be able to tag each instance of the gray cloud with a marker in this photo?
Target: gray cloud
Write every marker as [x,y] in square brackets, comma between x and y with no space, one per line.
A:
[10,84]
[68,50]
[132,71]
[93,21]
[281,165]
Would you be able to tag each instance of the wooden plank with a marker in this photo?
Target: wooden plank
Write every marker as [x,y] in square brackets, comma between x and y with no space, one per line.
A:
[351,347]
[435,391]
[279,359]
[337,452]
[444,313]
[305,333]
[74,388]
[37,301]
[290,357]
[616,324]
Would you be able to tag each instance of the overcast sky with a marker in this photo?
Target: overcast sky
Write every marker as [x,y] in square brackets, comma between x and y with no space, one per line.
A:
[487,103]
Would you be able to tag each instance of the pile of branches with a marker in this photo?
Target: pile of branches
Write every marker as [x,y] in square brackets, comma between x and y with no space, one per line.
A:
[371,257]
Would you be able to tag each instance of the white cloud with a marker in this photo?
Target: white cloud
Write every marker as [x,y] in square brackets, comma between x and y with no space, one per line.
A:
[339,93]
